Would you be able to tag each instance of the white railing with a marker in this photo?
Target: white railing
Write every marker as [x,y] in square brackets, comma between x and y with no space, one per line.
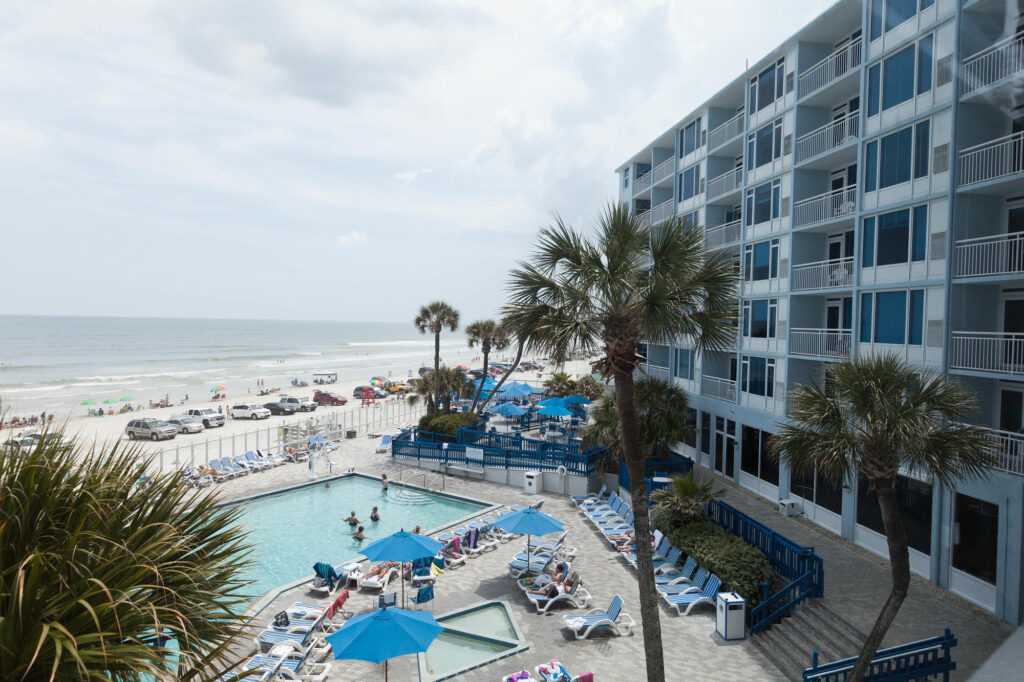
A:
[828,206]
[720,235]
[1004,59]
[663,211]
[829,343]
[644,216]
[837,64]
[663,170]
[824,274]
[993,159]
[642,182]
[830,136]
[1007,450]
[994,255]
[726,182]
[987,352]
[715,387]
[657,372]
[726,131]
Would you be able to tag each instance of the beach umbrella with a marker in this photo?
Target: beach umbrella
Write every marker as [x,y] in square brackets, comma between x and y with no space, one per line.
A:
[508,410]
[109,401]
[218,388]
[384,634]
[528,522]
[125,399]
[515,391]
[554,411]
[88,402]
[577,399]
[402,546]
[552,401]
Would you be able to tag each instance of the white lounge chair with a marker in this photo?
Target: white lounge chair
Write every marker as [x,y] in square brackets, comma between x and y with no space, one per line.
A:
[684,603]
[380,581]
[578,596]
[612,617]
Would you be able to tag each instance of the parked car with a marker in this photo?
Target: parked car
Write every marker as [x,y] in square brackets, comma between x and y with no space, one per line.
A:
[301,404]
[36,437]
[475,374]
[23,446]
[280,408]
[329,398]
[398,386]
[424,369]
[249,411]
[154,429]
[206,416]
[377,392]
[186,425]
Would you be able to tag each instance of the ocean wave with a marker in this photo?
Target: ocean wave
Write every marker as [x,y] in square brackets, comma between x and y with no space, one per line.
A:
[410,342]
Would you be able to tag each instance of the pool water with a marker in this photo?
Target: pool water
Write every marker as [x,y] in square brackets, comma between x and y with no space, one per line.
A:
[491,620]
[472,637]
[295,529]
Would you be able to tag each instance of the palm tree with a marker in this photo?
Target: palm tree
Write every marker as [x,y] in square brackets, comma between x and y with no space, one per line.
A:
[518,324]
[559,384]
[490,335]
[626,285]
[98,572]
[686,499]
[433,318]
[446,382]
[873,417]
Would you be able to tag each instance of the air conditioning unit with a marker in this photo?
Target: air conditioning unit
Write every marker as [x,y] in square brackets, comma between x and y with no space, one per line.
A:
[789,507]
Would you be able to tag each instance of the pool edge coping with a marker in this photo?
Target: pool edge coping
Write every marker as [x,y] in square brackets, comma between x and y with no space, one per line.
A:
[521,642]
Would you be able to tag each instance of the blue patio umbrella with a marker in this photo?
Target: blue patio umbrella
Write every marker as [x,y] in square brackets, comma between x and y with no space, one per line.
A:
[552,401]
[554,411]
[383,634]
[516,391]
[402,546]
[576,399]
[528,522]
[508,410]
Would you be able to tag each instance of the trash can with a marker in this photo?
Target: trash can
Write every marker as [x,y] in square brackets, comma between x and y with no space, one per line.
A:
[351,433]
[531,482]
[731,616]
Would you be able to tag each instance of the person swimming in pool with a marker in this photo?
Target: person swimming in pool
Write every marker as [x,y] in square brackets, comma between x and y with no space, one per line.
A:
[352,520]
[358,535]
[416,530]
[383,484]
[374,516]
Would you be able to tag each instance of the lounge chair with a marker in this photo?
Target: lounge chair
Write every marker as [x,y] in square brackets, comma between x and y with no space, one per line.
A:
[471,543]
[224,474]
[272,460]
[552,672]
[526,583]
[612,617]
[302,663]
[385,443]
[254,461]
[587,507]
[242,462]
[557,549]
[196,479]
[387,600]
[421,572]
[609,512]
[380,581]
[682,585]
[228,465]
[423,595]
[685,574]
[485,539]
[521,676]
[578,596]
[332,576]
[517,568]
[684,603]
[617,526]
[492,531]
[453,558]
[668,564]
[590,499]
[660,553]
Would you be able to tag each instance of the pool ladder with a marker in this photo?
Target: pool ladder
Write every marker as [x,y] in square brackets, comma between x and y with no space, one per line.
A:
[426,475]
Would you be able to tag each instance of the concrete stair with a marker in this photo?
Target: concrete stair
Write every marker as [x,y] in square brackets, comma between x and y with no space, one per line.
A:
[790,643]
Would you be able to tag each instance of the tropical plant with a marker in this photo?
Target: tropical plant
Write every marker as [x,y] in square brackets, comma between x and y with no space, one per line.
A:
[741,567]
[518,325]
[446,382]
[874,417]
[590,388]
[560,384]
[434,318]
[100,569]
[610,292]
[684,501]
[490,335]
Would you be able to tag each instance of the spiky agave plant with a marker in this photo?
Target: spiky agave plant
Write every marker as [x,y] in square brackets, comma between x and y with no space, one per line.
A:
[99,572]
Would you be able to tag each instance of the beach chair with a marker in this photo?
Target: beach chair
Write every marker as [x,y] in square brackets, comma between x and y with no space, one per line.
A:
[668,564]
[388,600]
[612,618]
[681,585]
[224,474]
[557,549]
[552,672]
[421,572]
[195,479]
[379,582]
[385,443]
[586,507]
[228,465]
[272,460]
[303,663]
[592,498]
[617,526]
[529,581]
[660,553]
[578,596]
[484,539]
[521,676]
[241,462]
[492,531]
[423,595]
[684,603]
[517,568]
[685,574]
[255,462]
[471,543]
[452,557]
[607,512]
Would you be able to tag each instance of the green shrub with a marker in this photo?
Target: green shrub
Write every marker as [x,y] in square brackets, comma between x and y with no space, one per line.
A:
[741,567]
[447,425]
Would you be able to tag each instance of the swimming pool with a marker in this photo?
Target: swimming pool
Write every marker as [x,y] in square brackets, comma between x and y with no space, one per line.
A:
[472,637]
[294,529]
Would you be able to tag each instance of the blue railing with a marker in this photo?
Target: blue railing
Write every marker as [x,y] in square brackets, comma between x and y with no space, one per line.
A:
[675,466]
[914,661]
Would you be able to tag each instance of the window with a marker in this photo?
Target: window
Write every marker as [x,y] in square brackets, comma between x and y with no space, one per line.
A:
[915,503]
[755,455]
[975,537]
[764,202]
[924,64]
[691,138]
[890,317]
[898,78]
[898,11]
[867,259]
[684,364]
[691,219]
[893,237]
[889,161]
[877,9]
[892,82]
[921,148]
[865,317]
[767,87]
[899,239]
[691,419]
[625,178]
[874,84]
[894,162]
[871,167]
[705,433]
[765,145]
[761,260]
[759,318]
[890,322]
[916,317]
[758,377]
[689,182]
[920,236]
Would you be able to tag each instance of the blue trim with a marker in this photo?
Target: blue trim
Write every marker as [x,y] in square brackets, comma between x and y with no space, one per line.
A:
[914,661]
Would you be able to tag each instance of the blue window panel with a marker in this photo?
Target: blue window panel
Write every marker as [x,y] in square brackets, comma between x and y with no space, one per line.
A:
[762,260]
[871,167]
[756,379]
[746,320]
[748,212]
[898,78]
[848,312]
[762,203]
[925,4]
[891,317]
[777,147]
[893,237]
[763,147]
[759,319]
[772,314]
[920,237]
[867,259]
[921,149]
[898,11]
[751,156]
[776,199]
[865,318]
[874,84]
[877,6]
[894,164]
[752,98]
[766,87]
[916,317]
[924,64]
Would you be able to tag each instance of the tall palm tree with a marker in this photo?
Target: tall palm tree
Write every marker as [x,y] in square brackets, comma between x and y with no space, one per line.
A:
[448,381]
[433,318]
[518,324]
[97,572]
[490,335]
[873,417]
[559,384]
[610,292]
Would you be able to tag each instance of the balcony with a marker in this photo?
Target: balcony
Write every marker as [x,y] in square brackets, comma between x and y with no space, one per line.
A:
[828,343]
[993,159]
[993,64]
[657,372]
[828,137]
[642,183]
[723,235]
[663,170]
[662,211]
[1008,450]
[1001,352]
[716,387]
[826,274]
[1000,254]
[644,217]
[724,183]
[824,207]
[726,131]
[831,68]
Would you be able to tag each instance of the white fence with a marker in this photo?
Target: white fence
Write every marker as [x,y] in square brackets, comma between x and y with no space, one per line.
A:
[828,206]
[829,136]
[726,182]
[721,235]
[1002,60]
[829,343]
[1008,450]
[716,387]
[823,274]
[987,351]
[726,131]
[642,182]
[663,211]
[834,66]
[994,255]
[992,159]
[663,169]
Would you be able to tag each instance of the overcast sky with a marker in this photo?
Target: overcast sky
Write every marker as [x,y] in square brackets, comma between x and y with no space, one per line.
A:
[311,159]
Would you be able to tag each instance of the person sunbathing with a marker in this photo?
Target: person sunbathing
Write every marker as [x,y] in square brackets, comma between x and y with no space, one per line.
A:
[381,568]
[553,588]
[208,471]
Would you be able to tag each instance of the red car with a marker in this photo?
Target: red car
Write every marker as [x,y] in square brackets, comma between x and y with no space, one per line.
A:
[328,398]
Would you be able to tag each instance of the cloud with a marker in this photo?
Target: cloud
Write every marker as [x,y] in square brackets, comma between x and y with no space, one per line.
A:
[353,238]
[409,176]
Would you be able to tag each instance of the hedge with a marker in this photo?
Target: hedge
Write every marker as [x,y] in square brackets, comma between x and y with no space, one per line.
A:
[741,567]
[447,424]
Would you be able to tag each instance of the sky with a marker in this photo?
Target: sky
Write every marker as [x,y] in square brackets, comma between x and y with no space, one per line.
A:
[312,159]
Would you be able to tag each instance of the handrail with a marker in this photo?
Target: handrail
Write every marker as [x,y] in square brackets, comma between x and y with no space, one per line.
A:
[992,64]
[663,211]
[835,65]
[835,203]
[990,255]
[727,131]
[726,182]
[992,159]
[663,169]
[918,660]
[830,136]
[721,235]
[824,274]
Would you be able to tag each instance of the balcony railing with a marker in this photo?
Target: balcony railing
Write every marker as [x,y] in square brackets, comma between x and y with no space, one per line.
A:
[662,211]
[1008,450]
[993,64]
[644,216]
[1001,352]
[830,136]
[826,274]
[993,159]
[657,372]
[834,66]
[726,182]
[721,235]
[829,343]
[716,387]
[828,206]
[663,170]
[642,182]
[999,254]
[726,131]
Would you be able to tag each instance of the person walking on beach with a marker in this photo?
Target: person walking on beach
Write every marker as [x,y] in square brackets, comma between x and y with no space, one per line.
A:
[383,485]
[374,516]
[352,520]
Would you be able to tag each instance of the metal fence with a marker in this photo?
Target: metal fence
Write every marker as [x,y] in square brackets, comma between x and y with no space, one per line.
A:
[837,64]
[921,660]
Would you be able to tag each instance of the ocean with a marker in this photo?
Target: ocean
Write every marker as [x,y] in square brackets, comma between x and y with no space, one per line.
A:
[56,363]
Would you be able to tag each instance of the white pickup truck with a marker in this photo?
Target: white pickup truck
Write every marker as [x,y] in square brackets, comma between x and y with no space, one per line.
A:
[209,417]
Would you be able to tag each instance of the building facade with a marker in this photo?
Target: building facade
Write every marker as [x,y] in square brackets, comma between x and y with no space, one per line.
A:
[867,178]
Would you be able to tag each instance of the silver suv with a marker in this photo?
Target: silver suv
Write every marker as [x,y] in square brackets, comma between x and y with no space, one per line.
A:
[300,404]
[150,428]
[207,416]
